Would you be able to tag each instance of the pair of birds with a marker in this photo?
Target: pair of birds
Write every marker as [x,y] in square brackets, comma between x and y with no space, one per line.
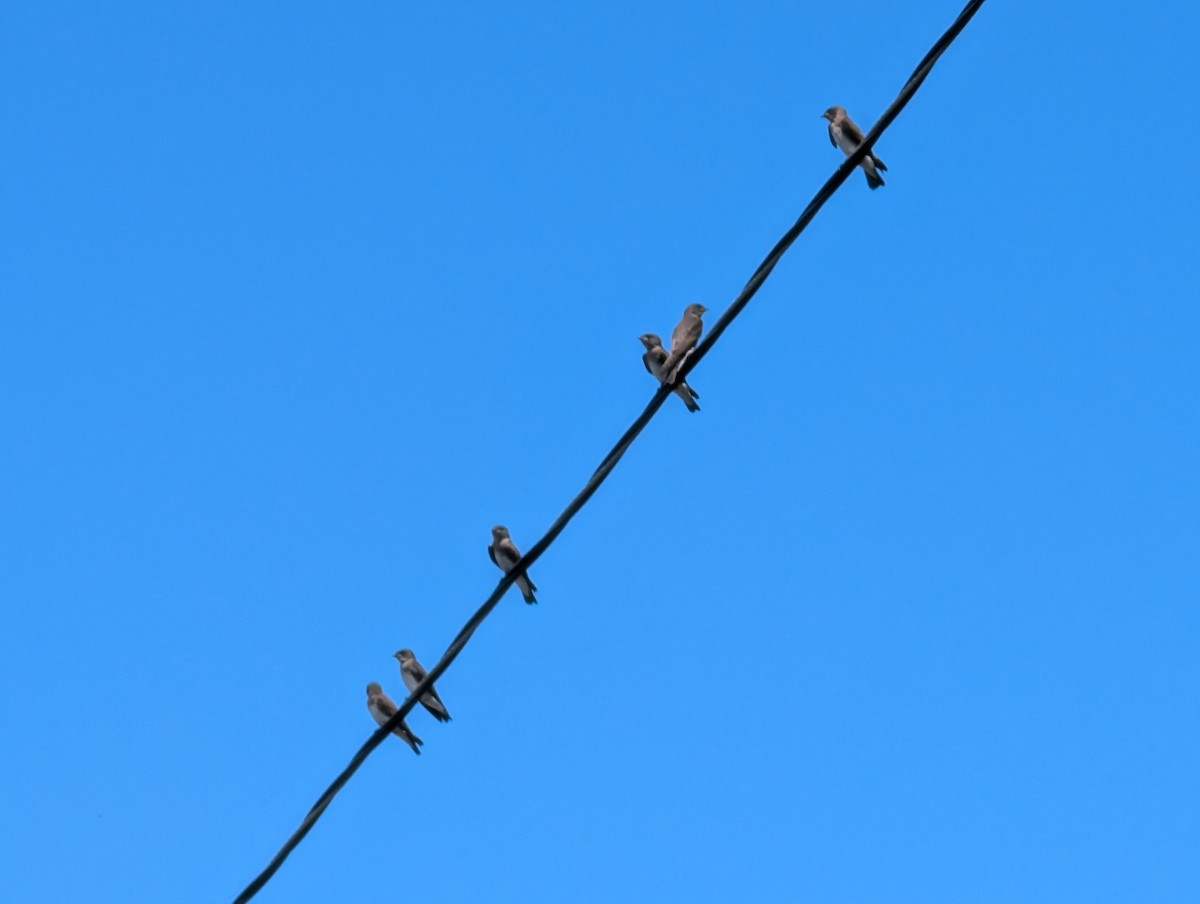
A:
[663,365]
[381,707]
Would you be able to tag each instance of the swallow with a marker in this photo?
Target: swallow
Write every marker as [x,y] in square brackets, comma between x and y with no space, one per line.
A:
[413,674]
[654,359]
[382,708]
[845,134]
[505,554]
[684,338]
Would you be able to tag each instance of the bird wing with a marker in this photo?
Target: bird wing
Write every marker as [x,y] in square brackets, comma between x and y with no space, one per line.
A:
[384,704]
[851,130]
[411,739]
[412,673]
[679,335]
[686,335]
[434,694]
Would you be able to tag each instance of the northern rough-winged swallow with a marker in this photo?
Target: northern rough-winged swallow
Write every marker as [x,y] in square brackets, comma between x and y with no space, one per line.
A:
[505,554]
[684,338]
[655,358]
[382,708]
[413,674]
[844,134]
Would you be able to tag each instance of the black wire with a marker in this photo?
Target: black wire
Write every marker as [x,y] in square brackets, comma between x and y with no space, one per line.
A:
[622,445]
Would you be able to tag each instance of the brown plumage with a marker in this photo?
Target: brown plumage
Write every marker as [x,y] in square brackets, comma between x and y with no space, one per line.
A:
[381,708]
[505,554]
[413,673]
[655,360]
[684,338]
[845,134]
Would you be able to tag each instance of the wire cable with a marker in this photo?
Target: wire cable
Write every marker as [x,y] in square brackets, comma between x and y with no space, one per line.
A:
[615,454]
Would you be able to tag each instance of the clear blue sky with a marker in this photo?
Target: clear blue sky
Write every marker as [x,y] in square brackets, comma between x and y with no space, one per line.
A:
[298,300]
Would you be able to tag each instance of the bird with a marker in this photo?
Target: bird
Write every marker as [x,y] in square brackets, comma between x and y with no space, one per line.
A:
[505,554]
[684,338]
[654,358]
[845,134]
[413,674]
[382,708]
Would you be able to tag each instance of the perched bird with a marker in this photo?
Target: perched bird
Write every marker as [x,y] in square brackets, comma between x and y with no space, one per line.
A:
[413,674]
[505,554]
[382,708]
[684,338]
[655,358]
[845,134]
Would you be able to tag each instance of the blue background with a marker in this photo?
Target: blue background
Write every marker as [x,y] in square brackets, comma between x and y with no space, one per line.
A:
[298,300]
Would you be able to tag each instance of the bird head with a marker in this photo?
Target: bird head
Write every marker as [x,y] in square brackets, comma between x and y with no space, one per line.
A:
[833,113]
[650,340]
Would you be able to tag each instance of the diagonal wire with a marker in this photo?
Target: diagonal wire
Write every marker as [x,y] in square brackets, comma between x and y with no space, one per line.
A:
[622,445]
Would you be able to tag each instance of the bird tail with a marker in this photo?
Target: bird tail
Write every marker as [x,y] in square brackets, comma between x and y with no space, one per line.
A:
[414,742]
[527,587]
[874,180]
[689,398]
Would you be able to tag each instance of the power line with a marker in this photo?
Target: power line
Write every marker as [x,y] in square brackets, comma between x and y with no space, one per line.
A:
[622,445]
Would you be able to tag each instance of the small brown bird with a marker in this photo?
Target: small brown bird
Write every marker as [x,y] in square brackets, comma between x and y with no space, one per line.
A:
[381,708]
[684,338]
[505,554]
[845,134]
[654,359]
[413,674]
